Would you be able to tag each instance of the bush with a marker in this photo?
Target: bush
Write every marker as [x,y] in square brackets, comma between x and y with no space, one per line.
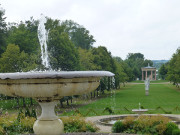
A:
[170,127]
[151,125]
[77,124]
[176,132]
[128,121]
[118,127]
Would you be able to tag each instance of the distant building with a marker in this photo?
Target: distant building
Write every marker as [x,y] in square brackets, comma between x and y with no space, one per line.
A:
[148,72]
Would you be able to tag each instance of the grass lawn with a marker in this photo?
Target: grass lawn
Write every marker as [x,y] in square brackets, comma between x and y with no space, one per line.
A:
[122,101]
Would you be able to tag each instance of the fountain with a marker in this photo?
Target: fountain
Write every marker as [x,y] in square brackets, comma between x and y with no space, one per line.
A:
[47,88]
[139,111]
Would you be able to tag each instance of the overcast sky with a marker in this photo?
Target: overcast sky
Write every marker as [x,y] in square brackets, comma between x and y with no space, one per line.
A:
[150,27]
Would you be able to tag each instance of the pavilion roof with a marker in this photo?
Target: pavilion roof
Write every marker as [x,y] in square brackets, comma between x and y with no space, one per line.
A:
[149,67]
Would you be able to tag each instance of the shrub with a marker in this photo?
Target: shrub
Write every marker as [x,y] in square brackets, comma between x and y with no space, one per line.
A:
[78,124]
[151,125]
[176,132]
[170,127]
[117,127]
[128,121]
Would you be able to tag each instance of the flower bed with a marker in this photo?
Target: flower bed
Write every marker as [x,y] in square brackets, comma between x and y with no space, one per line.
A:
[144,124]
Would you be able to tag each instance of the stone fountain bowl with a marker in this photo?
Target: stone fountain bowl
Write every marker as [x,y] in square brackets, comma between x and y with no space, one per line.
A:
[47,88]
[50,85]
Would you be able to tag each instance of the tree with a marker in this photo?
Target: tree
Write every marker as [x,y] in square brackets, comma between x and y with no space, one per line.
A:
[103,59]
[25,36]
[120,75]
[163,71]
[3,31]
[13,60]
[136,61]
[135,56]
[62,52]
[78,34]
[86,59]
[173,68]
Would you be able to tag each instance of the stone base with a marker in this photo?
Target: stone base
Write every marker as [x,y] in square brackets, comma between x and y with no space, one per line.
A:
[48,127]
[147,92]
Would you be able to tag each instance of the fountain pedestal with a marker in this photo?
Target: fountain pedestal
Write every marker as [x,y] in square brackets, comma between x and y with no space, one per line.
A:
[48,123]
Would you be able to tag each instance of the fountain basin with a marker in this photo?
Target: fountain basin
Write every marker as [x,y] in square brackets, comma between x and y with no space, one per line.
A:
[47,88]
[109,121]
[50,85]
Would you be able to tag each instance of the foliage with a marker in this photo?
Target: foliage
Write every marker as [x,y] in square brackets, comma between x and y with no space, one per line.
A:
[63,54]
[10,124]
[170,127]
[13,60]
[3,30]
[86,59]
[163,71]
[120,74]
[25,36]
[173,69]
[103,59]
[144,124]
[128,122]
[77,124]
[78,34]
[118,127]
[136,61]
[176,132]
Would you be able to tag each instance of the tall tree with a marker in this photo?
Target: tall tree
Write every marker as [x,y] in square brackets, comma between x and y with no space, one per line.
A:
[135,61]
[25,36]
[13,60]
[103,59]
[163,71]
[173,69]
[63,54]
[120,75]
[3,31]
[86,59]
[79,35]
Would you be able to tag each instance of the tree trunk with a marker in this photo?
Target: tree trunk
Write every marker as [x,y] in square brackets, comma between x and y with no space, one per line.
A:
[31,102]
[17,99]
[24,103]
[71,100]
[61,103]
[67,102]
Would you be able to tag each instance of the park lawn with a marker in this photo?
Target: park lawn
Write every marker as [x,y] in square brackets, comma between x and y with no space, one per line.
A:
[162,96]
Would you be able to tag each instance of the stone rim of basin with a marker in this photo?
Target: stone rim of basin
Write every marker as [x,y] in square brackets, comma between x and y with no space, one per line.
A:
[55,74]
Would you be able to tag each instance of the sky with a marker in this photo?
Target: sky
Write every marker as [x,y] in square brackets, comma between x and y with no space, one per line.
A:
[150,27]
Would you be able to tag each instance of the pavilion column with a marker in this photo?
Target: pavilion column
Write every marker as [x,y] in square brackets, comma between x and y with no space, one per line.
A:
[142,75]
[146,74]
[151,75]
[155,74]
